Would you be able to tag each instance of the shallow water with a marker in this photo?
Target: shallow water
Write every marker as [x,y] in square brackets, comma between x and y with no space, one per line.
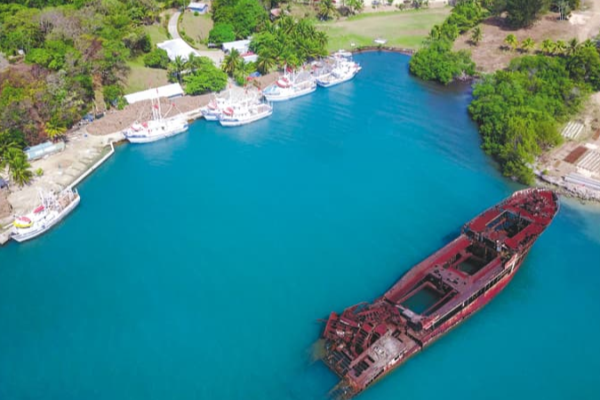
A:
[197,267]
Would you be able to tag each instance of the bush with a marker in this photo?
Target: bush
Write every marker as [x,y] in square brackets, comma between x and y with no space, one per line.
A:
[221,33]
[157,58]
[111,94]
[207,78]
[438,62]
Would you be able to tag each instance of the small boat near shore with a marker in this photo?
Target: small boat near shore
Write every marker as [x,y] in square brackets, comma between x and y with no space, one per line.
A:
[290,86]
[246,113]
[52,210]
[157,128]
[343,69]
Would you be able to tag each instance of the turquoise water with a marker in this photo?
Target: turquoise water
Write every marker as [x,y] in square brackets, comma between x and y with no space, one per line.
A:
[197,267]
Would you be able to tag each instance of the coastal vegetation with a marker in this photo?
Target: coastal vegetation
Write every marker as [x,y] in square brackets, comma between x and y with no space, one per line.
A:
[519,110]
[436,61]
[67,57]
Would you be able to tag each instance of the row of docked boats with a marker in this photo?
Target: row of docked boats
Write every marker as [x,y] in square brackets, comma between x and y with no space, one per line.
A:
[228,110]
[337,69]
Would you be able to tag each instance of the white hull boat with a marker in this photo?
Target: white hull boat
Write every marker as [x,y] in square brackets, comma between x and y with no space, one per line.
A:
[157,128]
[290,87]
[245,115]
[44,217]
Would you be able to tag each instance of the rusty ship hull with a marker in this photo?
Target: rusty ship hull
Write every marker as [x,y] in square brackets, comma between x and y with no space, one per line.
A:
[367,341]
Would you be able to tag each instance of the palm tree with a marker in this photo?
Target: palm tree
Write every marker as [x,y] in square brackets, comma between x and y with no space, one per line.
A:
[7,146]
[356,5]
[177,66]
[527,44]
[573,45]
[548,46]
[54,129]
[511,41]
[589,43]
[266,62]
[232,63]
[18,167]
[560,47]
[476,36]
[327,10]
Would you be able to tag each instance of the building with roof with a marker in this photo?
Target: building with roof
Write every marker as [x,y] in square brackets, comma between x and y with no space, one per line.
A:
[177,47]
[249,57]
[169,91]
[44,149]
[241,46]
[200,8]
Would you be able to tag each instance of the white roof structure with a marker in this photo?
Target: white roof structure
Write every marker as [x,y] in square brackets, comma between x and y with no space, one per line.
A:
[177,47]
[169,91]
[240,45]
[197,6]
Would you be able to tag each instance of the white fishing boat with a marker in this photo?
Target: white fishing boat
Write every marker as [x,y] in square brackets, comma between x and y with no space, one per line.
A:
[52,210]
[245,112]
[291,85]
[341,68]
[156,128]
[213,109]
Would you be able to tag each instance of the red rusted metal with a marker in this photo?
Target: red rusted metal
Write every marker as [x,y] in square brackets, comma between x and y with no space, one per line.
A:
[367,341]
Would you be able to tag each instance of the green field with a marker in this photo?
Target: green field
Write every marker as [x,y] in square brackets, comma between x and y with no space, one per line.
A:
[196,28]
[141,78]
[405,29]
[157,33]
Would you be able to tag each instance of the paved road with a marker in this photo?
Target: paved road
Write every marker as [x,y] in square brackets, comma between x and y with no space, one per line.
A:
[173,26]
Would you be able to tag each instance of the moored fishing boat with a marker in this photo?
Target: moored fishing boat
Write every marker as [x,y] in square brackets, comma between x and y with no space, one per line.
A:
[290,86]
[245,113]
[52,210]
[156,128]
[340,68]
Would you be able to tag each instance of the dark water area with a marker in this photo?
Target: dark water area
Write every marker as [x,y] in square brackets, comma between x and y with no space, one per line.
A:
[198,267]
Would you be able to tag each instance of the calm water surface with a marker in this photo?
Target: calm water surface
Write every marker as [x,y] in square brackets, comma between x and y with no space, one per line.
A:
[197,267]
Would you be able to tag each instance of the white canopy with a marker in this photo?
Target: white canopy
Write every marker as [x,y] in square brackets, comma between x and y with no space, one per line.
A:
[169,91]
[177,47]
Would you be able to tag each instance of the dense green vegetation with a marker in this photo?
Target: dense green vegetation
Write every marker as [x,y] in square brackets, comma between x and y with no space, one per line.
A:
[523,13]
[519,110]
[242,17]
[288,42]
[203,76]
[435,60]
[64,54]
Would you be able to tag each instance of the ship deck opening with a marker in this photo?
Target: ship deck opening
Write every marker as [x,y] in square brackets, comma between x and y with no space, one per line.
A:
[425,298]
[508,222]
[478,257]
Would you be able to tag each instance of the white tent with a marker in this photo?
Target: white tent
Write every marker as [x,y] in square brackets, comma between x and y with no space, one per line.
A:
[177,47]
[169,91]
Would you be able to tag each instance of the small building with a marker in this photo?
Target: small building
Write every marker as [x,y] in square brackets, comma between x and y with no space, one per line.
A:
[200,8]
[249,57]
[44,149]
[241,46]
[169,91]
[177,47]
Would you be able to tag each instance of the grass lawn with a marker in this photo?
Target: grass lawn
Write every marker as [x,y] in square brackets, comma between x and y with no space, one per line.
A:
[405,29]
[157,33]
[196,27]
[142,78]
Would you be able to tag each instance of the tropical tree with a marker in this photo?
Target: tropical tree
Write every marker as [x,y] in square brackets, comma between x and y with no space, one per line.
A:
[18,167]
[436,32]
[476,36]
[232,63]
[176,67]
[572,46]
[511,41]
[548,46]
[527,45]
[7,147]
[355,5]
[560,47]
[54,129]
[327,10]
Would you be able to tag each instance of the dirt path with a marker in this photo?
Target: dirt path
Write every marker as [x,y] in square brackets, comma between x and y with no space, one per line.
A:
[173,25]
